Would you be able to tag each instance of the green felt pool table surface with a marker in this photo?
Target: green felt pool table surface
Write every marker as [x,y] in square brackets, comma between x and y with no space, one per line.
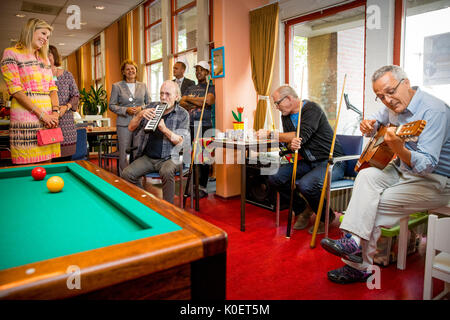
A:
[88,213]
[115,232]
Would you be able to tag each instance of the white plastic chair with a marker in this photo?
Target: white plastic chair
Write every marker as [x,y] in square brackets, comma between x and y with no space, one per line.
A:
[437,265]
[403,236]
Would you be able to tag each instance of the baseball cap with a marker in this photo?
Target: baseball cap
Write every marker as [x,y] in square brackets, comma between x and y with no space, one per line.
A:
[203,64]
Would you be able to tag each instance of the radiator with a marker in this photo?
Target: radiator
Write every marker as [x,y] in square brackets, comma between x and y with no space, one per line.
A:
[339,199]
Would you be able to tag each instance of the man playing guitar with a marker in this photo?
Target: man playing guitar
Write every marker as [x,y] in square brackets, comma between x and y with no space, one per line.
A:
[417,180]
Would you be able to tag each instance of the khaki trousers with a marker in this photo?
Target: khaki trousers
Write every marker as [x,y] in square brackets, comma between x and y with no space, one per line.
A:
[382,197]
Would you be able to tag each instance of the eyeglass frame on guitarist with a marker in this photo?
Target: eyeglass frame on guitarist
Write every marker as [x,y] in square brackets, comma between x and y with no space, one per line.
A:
[389,94]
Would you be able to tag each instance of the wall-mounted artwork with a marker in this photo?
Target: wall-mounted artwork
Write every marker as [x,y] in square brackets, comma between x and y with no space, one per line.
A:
[436,59]
[218,62]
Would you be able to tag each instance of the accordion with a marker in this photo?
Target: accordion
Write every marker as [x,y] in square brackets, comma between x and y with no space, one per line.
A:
[153,124]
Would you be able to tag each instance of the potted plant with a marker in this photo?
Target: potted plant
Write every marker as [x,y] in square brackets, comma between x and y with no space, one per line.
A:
[94,101]
[238,124]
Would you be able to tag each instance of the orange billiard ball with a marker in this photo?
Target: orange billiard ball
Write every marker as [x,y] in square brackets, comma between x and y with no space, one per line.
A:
[55,184]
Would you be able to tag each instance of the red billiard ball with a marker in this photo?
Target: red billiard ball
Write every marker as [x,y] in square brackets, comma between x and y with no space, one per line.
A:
[38,173]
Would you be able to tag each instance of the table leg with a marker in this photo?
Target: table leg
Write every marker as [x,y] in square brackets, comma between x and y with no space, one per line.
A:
[196,187]
[243,190]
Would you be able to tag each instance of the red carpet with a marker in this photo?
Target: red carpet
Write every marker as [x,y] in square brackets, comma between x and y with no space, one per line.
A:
[262,264]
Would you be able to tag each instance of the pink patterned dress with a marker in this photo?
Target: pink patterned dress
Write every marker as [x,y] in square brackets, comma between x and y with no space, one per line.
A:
[22,71]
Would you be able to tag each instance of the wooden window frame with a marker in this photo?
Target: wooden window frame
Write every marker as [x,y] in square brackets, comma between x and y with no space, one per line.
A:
[148,27]
[97,44]
[398,31]
[173,14]
[317,15]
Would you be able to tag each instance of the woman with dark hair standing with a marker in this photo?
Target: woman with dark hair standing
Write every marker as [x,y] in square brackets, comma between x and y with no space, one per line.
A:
[69,97]
[128,97]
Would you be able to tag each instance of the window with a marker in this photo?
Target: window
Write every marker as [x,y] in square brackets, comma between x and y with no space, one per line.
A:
[98,70]
[184,34]
[328,45]
[189,59]
[426,51]
[153,47]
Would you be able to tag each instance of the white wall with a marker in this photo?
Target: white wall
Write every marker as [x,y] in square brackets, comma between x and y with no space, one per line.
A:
[379,45]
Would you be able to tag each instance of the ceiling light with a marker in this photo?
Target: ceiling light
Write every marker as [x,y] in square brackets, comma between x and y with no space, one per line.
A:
[19,15]
[61,44]
[99,7]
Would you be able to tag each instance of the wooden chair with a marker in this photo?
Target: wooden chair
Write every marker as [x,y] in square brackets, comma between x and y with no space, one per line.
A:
[437,265]
[106,153]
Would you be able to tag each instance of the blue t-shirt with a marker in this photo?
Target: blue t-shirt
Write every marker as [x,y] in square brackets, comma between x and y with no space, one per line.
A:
[294,117]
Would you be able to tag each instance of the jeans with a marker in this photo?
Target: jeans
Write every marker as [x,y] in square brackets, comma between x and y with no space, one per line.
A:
[309,183]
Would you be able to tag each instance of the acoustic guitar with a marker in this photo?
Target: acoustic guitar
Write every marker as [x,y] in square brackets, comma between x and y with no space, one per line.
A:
[378,154]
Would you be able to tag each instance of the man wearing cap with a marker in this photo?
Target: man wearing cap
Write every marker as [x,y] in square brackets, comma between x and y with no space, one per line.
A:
[178,72]
[192,101]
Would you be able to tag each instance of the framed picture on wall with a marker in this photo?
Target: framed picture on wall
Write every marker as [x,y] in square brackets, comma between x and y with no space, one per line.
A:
[218,62]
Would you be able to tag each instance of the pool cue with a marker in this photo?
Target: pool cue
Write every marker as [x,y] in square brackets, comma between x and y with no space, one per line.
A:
[294,169]
[330,157]
[186,190]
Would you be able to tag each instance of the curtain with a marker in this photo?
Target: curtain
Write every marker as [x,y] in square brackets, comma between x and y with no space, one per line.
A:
[263,39]
[125,37]
[80,67]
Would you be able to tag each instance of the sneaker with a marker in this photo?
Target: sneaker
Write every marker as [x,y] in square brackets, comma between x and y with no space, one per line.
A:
[303,219]
[346,248]
[321,228]
[347,274]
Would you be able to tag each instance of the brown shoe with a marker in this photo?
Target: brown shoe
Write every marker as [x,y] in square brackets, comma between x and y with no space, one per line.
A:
[321,228]
[303,219]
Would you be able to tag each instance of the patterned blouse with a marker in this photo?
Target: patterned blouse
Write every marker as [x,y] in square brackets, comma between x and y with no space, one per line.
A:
[23,71]
[68,93]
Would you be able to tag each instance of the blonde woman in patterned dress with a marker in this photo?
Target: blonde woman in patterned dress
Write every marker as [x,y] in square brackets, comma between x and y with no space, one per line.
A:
[68,96]
[28,76]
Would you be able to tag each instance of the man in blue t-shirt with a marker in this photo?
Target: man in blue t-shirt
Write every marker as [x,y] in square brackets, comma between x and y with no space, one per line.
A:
[192,101]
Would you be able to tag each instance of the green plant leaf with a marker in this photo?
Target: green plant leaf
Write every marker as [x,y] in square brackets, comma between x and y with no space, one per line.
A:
[92,99]
[235,116]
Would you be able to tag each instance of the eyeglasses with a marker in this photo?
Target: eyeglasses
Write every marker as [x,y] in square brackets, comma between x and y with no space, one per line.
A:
[390,92]
[277,103]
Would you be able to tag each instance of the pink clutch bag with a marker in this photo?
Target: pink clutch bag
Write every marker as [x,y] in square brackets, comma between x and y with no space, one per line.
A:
[49,136]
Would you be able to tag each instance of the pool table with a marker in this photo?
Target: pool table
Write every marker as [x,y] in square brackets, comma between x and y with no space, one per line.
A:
[102,238]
